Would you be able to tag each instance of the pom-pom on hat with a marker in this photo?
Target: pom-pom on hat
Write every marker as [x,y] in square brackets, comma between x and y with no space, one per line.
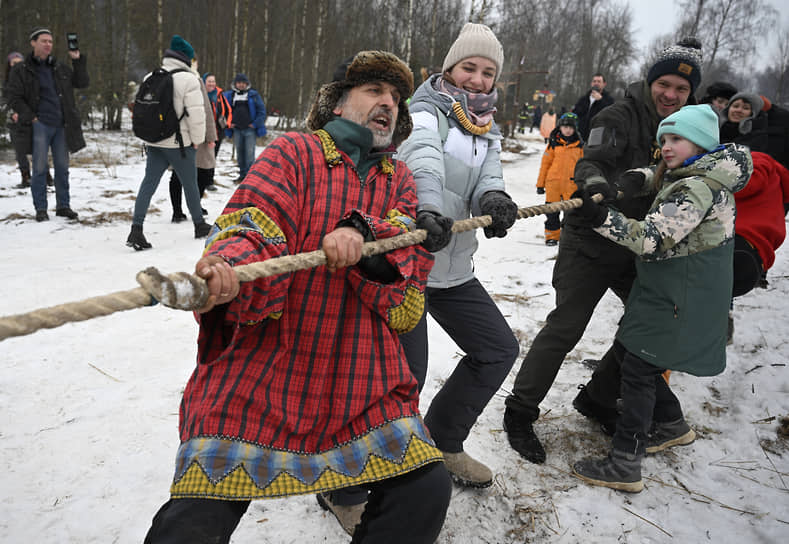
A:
[699,124]
[182,46]
[682,59]
[365,67]
[475,40]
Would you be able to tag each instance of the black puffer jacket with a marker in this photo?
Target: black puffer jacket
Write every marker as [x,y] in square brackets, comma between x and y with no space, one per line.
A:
[24,96]
[622,136]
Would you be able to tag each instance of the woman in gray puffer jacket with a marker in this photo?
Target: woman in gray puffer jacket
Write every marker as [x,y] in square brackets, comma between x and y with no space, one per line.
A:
[454,154]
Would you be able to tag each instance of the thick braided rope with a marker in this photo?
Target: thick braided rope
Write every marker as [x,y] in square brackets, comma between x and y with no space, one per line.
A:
[188,292]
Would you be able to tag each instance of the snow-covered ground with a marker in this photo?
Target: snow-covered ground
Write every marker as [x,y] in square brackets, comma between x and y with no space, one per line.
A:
[88,411]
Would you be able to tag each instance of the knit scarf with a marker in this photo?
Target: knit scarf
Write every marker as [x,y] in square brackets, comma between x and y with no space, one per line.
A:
[481,106]
[212,96]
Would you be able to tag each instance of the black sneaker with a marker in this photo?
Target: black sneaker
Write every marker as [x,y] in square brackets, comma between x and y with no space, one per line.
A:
[67,213]
[520,434]
[588,407]
[667,434]
[137,240]
[178,217]
[42,215]
[202,230]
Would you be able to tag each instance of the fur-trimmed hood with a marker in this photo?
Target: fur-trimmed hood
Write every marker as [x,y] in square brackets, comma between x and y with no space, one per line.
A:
[364,67]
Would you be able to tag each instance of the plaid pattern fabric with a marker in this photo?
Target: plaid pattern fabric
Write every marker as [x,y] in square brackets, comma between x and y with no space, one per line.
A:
[307,361]
[220,468]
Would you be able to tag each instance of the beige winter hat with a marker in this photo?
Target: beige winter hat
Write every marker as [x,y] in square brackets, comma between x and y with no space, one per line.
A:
[475,40]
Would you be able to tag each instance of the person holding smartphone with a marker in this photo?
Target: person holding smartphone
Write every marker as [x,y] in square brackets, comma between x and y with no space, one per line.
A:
[42,93]
[591,103]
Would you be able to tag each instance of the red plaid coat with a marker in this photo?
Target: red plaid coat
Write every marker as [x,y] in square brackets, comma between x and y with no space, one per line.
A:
[306,361]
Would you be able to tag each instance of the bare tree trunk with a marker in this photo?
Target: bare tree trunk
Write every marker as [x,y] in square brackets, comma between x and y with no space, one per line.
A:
[234,25]
[323,9]
[409,33]
[301,57]
[245,27]
[159,24]
[433,23]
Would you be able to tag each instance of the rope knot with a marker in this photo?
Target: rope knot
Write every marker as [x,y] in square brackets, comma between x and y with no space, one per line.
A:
[180,290]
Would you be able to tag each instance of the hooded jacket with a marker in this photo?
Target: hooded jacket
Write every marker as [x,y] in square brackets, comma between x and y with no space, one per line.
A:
[676,314]
[450,175]
[558,164]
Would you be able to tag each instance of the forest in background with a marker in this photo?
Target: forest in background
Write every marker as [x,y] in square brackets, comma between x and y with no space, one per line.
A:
[288,48]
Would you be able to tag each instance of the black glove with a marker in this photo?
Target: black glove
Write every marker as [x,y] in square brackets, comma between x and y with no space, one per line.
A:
[590,210]
[501,209]
[630,183]
[540,190]
[438,227]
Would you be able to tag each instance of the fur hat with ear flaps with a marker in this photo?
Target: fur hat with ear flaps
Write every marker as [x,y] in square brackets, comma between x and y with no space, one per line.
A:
[365,67]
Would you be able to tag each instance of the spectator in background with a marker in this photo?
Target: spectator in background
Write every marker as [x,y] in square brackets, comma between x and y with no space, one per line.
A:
[555,180]
[22,145]
[188,105]
[548,123]
[222,114]
[777,131]
[246,123]
[536,118]
[205,158]
[742,121]
[591,103]
[41,91]
[718,95]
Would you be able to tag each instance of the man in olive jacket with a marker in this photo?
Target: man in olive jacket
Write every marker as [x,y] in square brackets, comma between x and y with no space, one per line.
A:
[622,137]
[41,91]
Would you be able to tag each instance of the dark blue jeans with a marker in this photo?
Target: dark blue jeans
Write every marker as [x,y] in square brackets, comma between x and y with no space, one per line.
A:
[159,158]
[409,508]
[44,137]
[244,139]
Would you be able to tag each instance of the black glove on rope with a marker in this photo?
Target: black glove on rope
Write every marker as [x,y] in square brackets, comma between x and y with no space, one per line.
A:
[438,227]
[630,183]
[501,209]
[590,210]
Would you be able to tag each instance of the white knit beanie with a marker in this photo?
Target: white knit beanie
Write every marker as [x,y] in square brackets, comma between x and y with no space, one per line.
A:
[475,40]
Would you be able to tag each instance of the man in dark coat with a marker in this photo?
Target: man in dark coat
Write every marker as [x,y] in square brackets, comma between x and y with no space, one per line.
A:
[41,91]
[591,103]
[622,137]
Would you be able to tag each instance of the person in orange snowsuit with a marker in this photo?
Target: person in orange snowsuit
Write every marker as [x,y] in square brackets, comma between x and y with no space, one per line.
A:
[564,149]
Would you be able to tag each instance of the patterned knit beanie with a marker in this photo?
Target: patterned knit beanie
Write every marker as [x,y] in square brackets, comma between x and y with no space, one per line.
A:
[699,124]
[366,67]
[682,59]
[475,40]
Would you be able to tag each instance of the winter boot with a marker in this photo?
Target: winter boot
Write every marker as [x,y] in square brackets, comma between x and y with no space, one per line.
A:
[619,470]
[42,215]
[520,433]
[667,434]
[588,407]
[136,239]
[467,471]
[348,516]
[50,181]
[68,213]
[25,183]
[202,230]
[178,217]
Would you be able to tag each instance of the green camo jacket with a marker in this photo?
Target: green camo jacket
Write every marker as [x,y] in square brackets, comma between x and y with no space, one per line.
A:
[676,314]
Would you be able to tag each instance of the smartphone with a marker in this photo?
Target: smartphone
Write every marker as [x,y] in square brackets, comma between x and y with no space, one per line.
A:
[71,37]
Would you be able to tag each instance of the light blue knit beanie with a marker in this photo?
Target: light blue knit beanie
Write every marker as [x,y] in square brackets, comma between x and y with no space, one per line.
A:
[699,124]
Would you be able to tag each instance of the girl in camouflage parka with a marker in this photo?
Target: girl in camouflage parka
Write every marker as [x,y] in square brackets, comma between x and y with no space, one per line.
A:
[676,314]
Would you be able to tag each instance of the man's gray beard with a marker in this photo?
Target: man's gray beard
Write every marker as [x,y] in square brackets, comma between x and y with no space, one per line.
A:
[381,138]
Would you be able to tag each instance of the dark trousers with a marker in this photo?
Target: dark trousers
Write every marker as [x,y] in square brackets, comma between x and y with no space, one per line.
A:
[748,267]
[471,318]
[586,267]
[552,220]
[205,177]
[645,396]
[408,508]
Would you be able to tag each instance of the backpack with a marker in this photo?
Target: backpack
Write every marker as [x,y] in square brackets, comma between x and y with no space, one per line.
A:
[154,117]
